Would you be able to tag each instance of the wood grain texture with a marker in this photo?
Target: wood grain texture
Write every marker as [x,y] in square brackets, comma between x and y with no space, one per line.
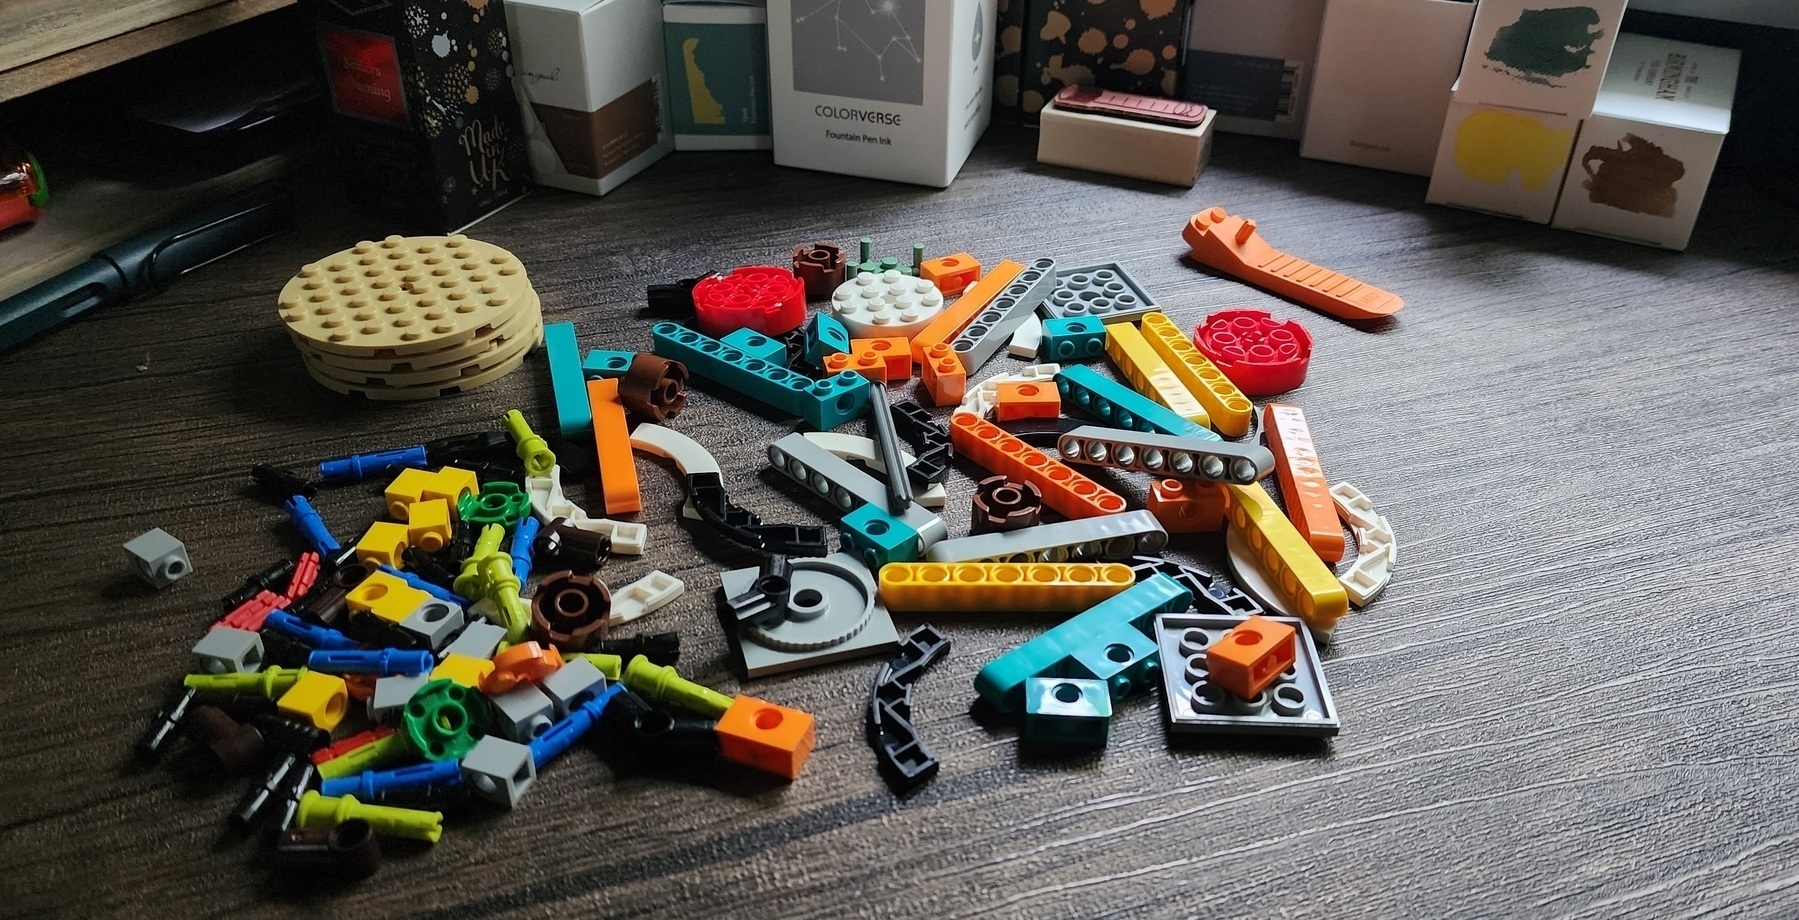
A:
[1575,700]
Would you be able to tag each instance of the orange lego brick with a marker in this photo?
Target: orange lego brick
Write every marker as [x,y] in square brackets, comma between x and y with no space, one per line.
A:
[1068,492]
[895,351]
[1017,399]
[1230,243]
[951,274]
[868,365]
[773,739]
[1187,505]
[943,375]
[1303,487]
[1251,656]
[950,322]
[612,439]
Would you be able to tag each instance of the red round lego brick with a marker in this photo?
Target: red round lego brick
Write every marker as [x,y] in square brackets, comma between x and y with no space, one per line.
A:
[766,298]
[1260,354]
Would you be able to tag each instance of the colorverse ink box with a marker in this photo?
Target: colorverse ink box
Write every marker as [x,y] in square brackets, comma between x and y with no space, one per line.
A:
[1251,62]
[717,74]
[590,73]
[1542,55]
[1644,158]
[897,90]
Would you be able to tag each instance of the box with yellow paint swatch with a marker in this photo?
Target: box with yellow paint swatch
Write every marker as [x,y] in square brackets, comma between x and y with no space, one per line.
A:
[1502,160]
[718,74]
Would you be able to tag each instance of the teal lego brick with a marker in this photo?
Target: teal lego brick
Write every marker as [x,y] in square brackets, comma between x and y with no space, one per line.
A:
[602,363]
[757,345]
[878,538]
[823,404]
[1109,642]
[1067,710]
[825,336]
[1073,339]
[1123,407]
[574,418]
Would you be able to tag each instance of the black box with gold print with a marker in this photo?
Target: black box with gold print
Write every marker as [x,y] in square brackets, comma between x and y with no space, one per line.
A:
[427,124]
[1132,46]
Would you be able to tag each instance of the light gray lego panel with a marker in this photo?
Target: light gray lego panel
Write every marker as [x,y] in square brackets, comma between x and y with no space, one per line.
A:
[1106,292]
[499,770]
[1114,537]
[1298,704]
[983,336]
[847,619]
[158,558]
[392,694]
[1166,455]
[843,485]
[477,640]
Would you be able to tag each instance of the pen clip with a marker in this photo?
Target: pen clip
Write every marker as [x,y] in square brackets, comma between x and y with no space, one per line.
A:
[156,282]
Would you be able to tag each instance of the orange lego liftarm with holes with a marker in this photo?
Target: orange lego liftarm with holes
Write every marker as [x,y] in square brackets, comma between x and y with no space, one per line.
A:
[1014,400]
[943,375]
[965,309]
[770,738]
[1303,487]
[1070,493]
[951,274]
[1231,244]
[1251,656]
[612,440]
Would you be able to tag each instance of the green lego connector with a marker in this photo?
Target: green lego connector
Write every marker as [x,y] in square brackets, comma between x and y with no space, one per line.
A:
[663,685]
[378,753]
[321,811]
[535,451]
[270,683]
[470,583]
[609,665]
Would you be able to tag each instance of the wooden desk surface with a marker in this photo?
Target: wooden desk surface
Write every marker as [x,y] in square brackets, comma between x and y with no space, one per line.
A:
[1573,701]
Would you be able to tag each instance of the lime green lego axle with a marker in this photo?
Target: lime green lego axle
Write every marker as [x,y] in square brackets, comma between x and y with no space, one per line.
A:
[609,665]
[663,685]
[270,683]
[487,573]
[319,811]
[535,451]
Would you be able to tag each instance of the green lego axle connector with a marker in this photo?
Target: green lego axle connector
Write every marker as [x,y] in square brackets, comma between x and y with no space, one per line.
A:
[663,685]
[377,753]
[319,811]
[270,683]
[535,451]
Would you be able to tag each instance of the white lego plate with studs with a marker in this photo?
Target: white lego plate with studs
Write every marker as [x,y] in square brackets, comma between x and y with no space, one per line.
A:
[875,306]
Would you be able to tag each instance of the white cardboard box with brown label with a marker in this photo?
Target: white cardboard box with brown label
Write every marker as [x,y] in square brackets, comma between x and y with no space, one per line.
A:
[892,90]
[1125,147]
[1251,62]
[1643,160]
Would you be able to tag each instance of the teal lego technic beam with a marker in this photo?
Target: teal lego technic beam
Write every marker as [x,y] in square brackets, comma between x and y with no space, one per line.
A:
[823,404]
[568,382]
[1123,407]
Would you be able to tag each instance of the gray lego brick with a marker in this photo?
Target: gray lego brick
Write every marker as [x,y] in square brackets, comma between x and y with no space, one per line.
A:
[499,770]
[435,621]
[1113,537]
[1166,455]
[1298,704]
[225,650]
[522,713]
[158,558]
[992,327]
[843,485]
[572,684]
[847,619]
[1105,291]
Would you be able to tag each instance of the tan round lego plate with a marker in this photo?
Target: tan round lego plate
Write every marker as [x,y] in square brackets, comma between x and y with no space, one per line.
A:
[428,391]
[403,295]
[518,324]
[483,352]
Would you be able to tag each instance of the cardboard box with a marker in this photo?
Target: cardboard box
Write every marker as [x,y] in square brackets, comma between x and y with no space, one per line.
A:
[1503,160]
[1251,60]
[1008,62]
[1380,89]
[1532,54]
[427,126]
[718,74]
[1133,46]
[1643,160]
[590,74]
[895,90]
[1122,147]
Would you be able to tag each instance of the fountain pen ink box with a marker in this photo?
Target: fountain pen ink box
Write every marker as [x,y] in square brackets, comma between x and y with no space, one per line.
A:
[426,124]
[1131,46]
[590,76]
[1542,56]
[718,74]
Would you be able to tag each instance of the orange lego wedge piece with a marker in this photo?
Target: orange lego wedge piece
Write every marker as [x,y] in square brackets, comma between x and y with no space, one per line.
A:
[1230,244]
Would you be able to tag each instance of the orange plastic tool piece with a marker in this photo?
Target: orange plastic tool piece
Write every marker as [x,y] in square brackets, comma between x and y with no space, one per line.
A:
[612,439]
[526,661]
[943,376]
[1230,243]
[895,351]
[773,739]
[1187,505]
[1303,487]
[1065,490]
[1016,399]
[951,274]
[1251,656]
[950,322]
[869,365]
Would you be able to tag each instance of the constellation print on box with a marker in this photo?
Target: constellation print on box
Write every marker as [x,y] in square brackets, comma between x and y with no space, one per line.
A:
[863,49]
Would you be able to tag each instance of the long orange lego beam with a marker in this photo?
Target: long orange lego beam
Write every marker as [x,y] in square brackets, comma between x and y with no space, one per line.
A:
[612,442]
[1230,243]
[1303,487]
[944,328]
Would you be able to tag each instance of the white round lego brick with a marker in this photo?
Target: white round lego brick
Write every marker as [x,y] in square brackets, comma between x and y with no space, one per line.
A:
[874,306]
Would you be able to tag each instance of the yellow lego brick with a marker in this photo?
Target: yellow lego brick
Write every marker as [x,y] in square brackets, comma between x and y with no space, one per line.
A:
[1149,374]
[1047,587]
[316,698]
[1229,409]
[1303,581]
[383,544]
[385,596]
[450,484]
[466,670]
[407,489]
[428,527]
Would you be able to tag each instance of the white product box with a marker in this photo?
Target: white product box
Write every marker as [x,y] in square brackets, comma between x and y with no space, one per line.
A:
[1251,60]
[890,90]
[1122,147]
[1381,86]
[589,77]
[1539,55]
[1645,157]
[1503,160]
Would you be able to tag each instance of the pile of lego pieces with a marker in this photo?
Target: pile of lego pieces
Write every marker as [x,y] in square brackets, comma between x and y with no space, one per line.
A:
[477,665]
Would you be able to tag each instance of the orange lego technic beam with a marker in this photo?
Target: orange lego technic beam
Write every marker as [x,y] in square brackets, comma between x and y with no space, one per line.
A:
[612,441]
[1065,490]
[1230,243]
[950,322]
[1303,487]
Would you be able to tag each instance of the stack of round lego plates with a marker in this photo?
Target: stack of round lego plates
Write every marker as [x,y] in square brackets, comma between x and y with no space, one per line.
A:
[412,317]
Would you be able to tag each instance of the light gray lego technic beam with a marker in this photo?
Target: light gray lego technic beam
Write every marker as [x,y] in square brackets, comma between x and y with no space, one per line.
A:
[990,328]
[1109,536]
[846,487]
[1166,455]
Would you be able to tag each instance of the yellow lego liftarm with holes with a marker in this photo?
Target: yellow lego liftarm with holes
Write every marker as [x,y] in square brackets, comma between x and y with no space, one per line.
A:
[1001,587]
[1228,407]
[1304,582]
[1149,374]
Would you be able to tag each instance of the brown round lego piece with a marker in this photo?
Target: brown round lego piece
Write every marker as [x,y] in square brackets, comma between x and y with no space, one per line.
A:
[569,611]
[654,388]
[1004,504]
[821,266]
[235,746]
